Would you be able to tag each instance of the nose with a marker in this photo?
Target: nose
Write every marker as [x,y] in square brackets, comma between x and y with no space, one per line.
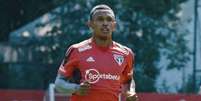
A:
[105,23]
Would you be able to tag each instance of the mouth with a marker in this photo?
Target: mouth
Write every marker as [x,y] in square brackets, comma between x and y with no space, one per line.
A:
[105,30]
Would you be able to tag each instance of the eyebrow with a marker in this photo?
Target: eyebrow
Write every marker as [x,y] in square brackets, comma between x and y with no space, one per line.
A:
[105,16]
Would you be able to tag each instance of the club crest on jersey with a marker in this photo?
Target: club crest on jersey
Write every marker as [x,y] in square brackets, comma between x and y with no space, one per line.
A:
[119,59]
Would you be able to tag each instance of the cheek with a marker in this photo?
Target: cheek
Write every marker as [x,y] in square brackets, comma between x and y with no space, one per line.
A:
[94,26]
[98,26]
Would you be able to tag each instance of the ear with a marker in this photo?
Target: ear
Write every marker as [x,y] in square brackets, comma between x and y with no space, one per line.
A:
[89,24]
[114,26]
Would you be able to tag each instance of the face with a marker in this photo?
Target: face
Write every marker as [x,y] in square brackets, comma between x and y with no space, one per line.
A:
[103,24]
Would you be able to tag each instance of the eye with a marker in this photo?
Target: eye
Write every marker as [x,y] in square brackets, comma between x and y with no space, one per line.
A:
[109,19]
[100,19]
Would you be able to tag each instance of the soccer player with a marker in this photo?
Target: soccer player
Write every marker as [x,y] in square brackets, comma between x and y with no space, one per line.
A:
[98,68]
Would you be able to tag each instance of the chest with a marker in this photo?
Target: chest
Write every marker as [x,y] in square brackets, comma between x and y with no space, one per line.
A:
[103,62]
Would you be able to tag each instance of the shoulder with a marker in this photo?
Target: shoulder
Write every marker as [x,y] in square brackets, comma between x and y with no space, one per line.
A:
[78,47]
[82,46]
[124,49]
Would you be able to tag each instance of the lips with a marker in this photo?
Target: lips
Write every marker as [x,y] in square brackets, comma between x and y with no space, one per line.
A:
[105,30]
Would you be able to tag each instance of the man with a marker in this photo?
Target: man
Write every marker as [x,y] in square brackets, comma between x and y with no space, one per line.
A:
[98,69]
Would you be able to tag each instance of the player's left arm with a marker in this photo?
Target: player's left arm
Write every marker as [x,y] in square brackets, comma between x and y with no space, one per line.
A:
[131,94]
[129,82]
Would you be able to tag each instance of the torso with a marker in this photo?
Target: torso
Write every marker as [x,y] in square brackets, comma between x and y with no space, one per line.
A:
[102,67]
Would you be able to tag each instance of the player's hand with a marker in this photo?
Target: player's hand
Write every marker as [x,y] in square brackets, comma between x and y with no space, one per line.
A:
[131,97]
[84,88]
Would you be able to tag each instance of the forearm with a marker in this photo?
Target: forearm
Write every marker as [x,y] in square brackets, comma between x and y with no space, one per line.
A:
[132,87]
[64,86]
[131,94]
[129,87]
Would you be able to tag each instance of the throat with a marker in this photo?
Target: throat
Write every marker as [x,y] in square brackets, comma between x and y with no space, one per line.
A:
[103,42]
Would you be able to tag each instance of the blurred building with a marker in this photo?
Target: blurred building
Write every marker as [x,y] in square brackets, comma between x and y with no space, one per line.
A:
[22,40]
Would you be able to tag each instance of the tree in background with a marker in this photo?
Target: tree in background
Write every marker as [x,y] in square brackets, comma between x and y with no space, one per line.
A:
[152,30]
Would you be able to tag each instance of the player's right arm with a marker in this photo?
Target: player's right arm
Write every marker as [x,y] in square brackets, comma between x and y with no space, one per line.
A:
[63,85]
[67,87]
[68,78]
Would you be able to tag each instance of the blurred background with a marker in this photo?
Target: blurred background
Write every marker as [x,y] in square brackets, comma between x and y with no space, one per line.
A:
[164,34]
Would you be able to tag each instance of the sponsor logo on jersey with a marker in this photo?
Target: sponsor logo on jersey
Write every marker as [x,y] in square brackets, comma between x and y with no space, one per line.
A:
[93,76]
[119,59]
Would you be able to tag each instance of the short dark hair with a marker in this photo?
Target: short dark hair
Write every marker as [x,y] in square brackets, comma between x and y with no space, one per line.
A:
[99,7]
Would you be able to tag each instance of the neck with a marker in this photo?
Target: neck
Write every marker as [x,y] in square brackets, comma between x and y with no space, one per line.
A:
[103,42]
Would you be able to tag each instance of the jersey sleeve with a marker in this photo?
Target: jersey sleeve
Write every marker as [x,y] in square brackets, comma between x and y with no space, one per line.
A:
[127,74]
[69,63]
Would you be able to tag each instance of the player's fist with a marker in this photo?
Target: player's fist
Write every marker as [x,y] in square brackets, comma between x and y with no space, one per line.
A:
[131,97]
[84,88]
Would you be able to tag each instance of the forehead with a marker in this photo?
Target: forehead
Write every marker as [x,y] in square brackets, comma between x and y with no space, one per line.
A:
[106,13]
